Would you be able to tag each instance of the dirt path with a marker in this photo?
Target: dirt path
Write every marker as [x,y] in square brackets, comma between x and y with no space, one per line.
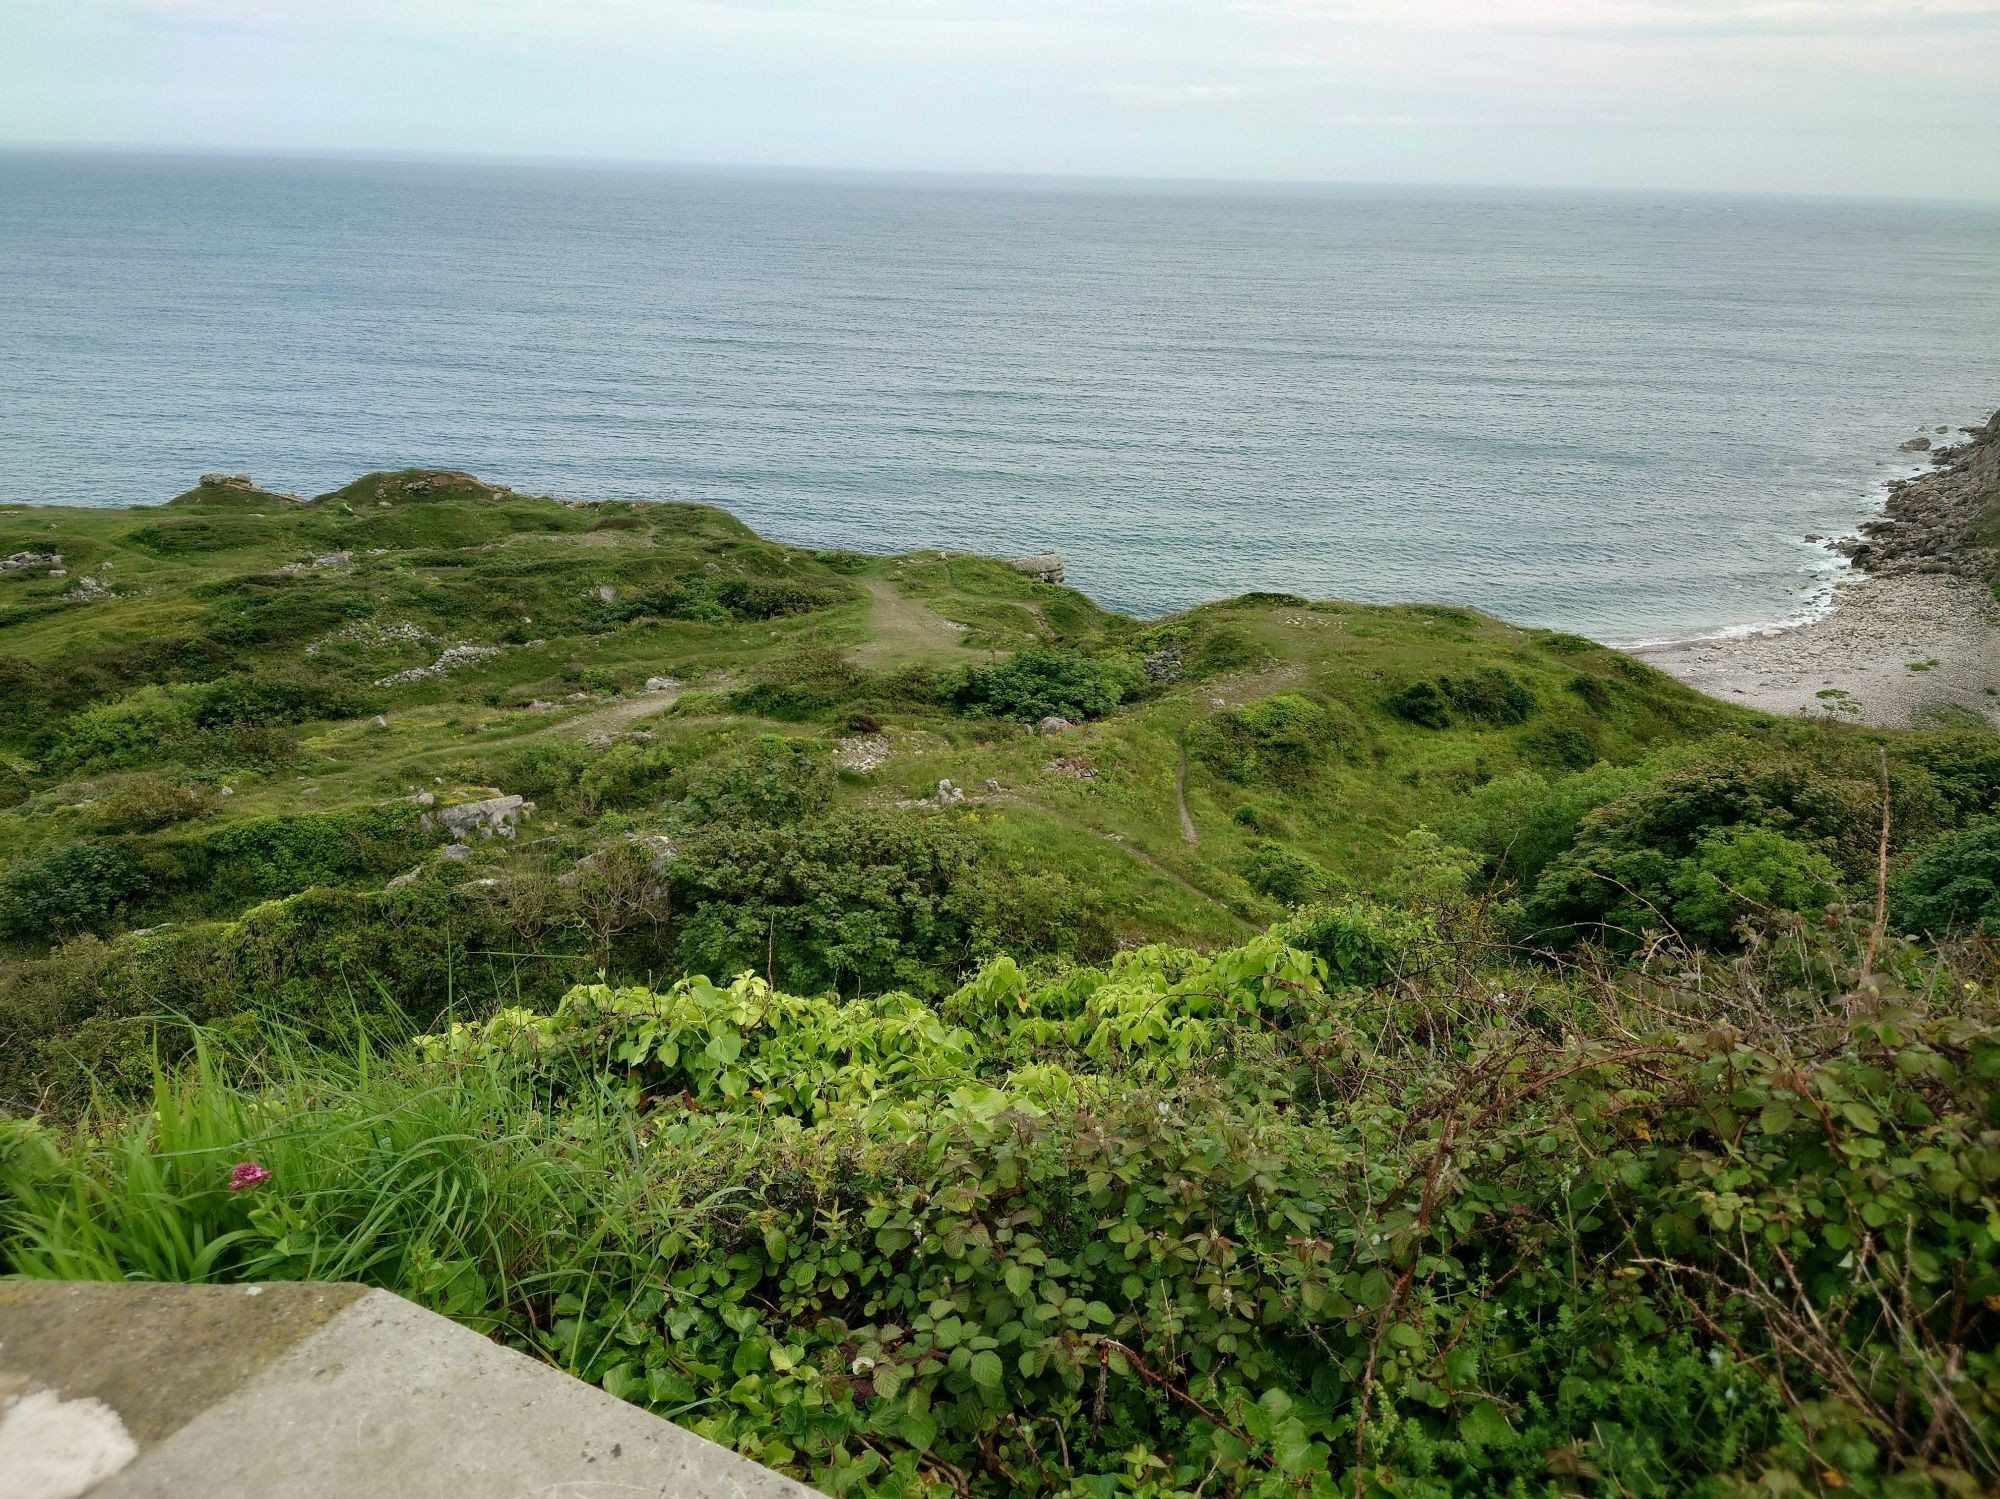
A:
[900,629]
[1180,799]
[614,716]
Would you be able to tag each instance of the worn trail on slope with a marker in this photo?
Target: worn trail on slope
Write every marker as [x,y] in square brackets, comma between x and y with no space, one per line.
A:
[1180,799]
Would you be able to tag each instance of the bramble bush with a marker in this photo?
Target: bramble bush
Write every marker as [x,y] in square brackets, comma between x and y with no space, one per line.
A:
[1184,1223]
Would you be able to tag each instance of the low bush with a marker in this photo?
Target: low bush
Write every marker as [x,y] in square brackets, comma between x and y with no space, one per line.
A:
[1285,876]
[75,887]
[1952,889]
[770,781]
[258,858]
[1280,740]
[799,684]
[1490,695]
[1034,685]
[1643,861]
[146,801]
[854,900]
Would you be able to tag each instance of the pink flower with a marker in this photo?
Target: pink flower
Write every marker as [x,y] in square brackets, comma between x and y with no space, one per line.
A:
[247,1174]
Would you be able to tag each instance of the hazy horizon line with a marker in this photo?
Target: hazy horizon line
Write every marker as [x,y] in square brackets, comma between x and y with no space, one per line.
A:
[418,155]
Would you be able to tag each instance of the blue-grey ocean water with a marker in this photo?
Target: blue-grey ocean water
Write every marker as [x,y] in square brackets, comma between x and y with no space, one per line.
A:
[1615,414]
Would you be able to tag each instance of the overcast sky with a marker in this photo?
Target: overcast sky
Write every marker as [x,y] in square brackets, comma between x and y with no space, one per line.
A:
[1898,97]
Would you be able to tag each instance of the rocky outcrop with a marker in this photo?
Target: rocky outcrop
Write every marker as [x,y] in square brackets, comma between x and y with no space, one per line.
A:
[946,795]
[452,658]
[22,561]
[492,816]
[1043,567]
[862,753]
[1944,521]
[657,847]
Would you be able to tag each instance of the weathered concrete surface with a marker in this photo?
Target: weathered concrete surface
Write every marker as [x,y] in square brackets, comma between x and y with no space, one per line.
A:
[313,1392]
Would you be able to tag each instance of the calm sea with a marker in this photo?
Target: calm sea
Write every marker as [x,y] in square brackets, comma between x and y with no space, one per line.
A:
[1610,413]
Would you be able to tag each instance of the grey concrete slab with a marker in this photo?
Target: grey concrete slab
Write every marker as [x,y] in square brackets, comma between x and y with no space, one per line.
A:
[158,1355]
[378,1399]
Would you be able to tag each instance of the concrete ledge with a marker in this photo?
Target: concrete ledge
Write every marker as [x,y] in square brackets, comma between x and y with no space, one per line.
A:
[130,1391]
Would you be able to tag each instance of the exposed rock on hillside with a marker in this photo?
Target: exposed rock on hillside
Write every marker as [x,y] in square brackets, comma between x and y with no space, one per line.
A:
[487,817]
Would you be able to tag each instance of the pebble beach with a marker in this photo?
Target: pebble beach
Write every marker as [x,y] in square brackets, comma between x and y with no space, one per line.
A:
[1912,640]
[1899,652]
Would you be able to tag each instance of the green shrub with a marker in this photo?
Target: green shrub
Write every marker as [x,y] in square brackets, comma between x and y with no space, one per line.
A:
[1279,740]
[258,858]
[272,609]
[1636,858]
[1287,877]
[143,802]
[277,698]
[1490,695]
[709,601]
[770,598]
[187,538]
[1520,824]
[1953,888]
[145,727]
[844,901]
[1745,872]
[799,683]
[1423,703]
[75,887]
[1595,692]
[1561,746]
[1363,945]
[1034,685]
[771,780]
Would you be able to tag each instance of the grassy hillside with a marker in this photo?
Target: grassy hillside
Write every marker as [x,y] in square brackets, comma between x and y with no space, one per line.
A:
[936,1035]
[231,723]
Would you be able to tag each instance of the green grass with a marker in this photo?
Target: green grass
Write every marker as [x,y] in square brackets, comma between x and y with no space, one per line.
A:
[206,612]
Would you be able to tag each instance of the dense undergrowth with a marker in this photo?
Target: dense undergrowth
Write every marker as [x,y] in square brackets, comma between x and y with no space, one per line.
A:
[1361,1206]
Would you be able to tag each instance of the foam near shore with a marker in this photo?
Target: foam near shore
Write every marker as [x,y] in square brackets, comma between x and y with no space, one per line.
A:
[1897,651]
[1911,641]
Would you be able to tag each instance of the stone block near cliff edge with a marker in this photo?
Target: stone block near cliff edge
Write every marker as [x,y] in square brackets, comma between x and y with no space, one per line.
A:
[1043,567]
[299,1391]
